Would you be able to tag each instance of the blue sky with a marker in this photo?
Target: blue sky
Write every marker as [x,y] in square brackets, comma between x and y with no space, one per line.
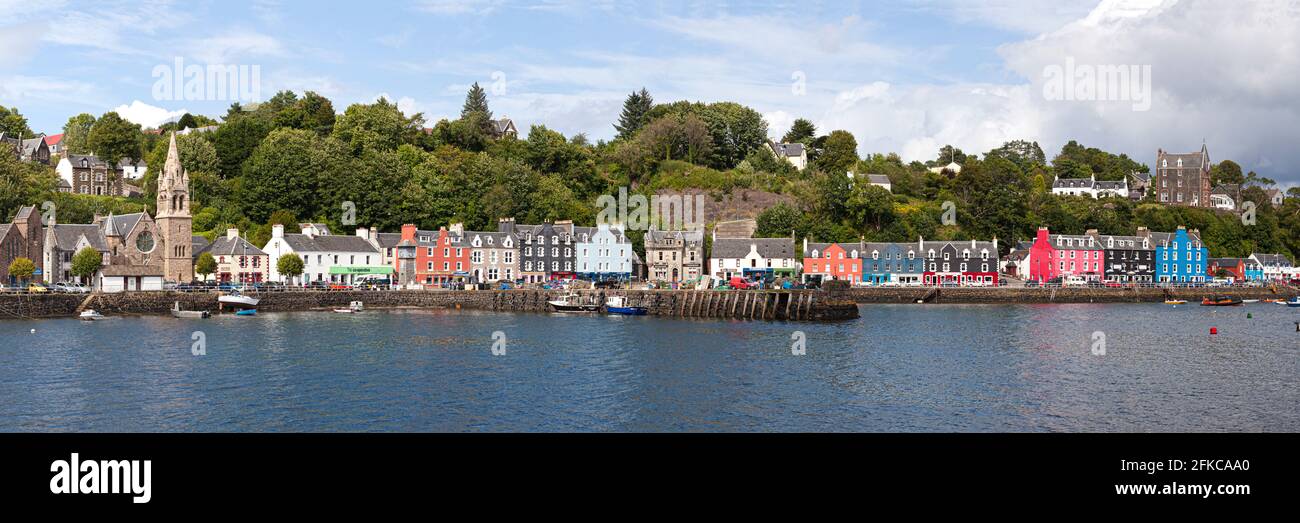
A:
[904,76]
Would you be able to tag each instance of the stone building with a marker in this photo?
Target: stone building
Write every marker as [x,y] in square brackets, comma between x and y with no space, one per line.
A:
[1183,179]
[21,238]
[87,174]
[674,256]
[174,218]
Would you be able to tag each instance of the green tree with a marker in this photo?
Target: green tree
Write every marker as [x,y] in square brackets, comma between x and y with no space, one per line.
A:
[86,263]
[839,153]
[289,266]
[13,124]
[205,265]
[636,111]
[197,155]
[869,205]
[476,102]
[801,131]
[312,112]
[113,138]
[76,133]
[379,126]
[235,141]
[22,183]
[22,269]
[289,170]
[778,221]
[1228,172]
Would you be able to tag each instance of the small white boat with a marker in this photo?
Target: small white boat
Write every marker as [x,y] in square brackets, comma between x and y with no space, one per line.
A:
[237,300]
[1250,301]
[91,315]
[353,308]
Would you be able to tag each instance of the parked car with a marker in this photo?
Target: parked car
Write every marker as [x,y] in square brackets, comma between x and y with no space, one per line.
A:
[37,288]
[738,283]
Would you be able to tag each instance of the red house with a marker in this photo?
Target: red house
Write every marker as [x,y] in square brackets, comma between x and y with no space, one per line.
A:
[440,256]
[833,261]
[1236,268]
[1064,255]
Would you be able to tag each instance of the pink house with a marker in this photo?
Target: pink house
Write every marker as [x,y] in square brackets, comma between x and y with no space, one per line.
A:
[1063,255]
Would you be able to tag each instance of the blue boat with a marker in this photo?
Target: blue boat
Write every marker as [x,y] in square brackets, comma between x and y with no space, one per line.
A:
[246,312]
[1294,302]
[618,305]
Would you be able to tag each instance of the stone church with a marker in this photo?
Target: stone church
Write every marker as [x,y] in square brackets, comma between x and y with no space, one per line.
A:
[139,252]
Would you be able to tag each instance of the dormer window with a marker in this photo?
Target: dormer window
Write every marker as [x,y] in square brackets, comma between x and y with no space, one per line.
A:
[814,253]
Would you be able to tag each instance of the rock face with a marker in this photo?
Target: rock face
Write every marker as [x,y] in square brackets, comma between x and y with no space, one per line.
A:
[757,305]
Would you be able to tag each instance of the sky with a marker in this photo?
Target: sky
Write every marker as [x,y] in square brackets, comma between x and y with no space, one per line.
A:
[904,76]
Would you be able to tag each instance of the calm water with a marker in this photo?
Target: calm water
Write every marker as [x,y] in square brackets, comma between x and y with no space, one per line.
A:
[898,368]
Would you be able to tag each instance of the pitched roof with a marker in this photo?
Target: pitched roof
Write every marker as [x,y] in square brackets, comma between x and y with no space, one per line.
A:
[1199,158]
[787,149]
[121,225]
[877,179]
[67,235]
[389,240]
[329,242]
[740,247]
[690,238]
[53,139]
[1111,184]
[1073,183]
[1272,260]
[4,228]
[237,246]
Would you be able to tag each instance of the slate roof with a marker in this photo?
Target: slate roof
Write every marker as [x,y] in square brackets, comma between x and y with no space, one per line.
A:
[388,240]
[92,161]
[225,246]
[329,242]
[1122,242]
[66,236]
[1111,184]
[1272,260]
[788,150]
[878,179]
[772,248]
[198,244]
[121,225]
[4,228]
[848,247]
[690,238]
[1197,159]
[1073,183]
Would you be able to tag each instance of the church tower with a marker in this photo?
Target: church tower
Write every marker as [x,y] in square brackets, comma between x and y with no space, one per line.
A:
[174,220]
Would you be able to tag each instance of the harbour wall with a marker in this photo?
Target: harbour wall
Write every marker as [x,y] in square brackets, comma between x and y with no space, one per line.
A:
[798,305]
[1054,295]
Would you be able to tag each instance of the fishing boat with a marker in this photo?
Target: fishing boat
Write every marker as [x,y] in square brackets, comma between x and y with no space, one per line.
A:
[1250,301]
[618,305]
[353,308]
[1175,302]
[90,315]
[573,302]
[246,312]
[1220,301]
[178,313]
[237,300]
[1293,302]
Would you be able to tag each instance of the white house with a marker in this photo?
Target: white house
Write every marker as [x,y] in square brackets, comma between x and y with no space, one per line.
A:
[952,167]
[607,255]
[795,153]
[1091,187]
[326,257]
[752,258]
[1276,266]
[880,180]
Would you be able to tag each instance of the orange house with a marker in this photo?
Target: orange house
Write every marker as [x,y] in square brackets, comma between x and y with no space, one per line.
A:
[833,261]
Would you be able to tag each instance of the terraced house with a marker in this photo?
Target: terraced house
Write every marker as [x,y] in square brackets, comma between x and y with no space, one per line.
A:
[1128,259]
[1275,267]
[493,256]
[605,254]
[24,237]
[326,258]
[959,262]
[833,261]
[1181,257]
[894,263]
[752,258]
[1064,256]
[237,260]
[674,256]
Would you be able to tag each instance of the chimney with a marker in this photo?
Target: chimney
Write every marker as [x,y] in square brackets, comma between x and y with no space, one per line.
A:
[458,228]
[972,243]
[505,224]
[363,232]
[995,244]
[920,242]
[277,230]
[1091,232]
[408,232]
[308,230]
[232,233]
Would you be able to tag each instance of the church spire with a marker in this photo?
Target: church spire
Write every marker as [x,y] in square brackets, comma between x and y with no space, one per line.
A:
[172,170]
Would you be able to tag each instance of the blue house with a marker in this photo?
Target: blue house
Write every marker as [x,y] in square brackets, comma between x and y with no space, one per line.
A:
[1180,256]
[901,263]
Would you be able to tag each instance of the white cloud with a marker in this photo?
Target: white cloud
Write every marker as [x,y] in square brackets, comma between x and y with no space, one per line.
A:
[235,47]
[147,115]
[458,7]
[19,43]
[1023,16]
[19,89]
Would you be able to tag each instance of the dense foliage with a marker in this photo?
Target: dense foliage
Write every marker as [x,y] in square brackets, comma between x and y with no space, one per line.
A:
[293,158]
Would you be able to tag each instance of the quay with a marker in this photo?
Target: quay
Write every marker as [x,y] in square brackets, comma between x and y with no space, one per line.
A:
[795,305]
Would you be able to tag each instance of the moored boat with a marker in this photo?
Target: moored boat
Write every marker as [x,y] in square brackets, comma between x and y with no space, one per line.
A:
[573,302]
[618,305]
[178,313]
[353,308]
[90,315]
[246,312]
[237,300]
[1293,302]
[1220,301]
[1250,301]
[1175,302]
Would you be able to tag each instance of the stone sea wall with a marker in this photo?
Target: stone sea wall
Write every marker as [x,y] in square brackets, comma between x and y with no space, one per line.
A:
[758,305]
[1053,295]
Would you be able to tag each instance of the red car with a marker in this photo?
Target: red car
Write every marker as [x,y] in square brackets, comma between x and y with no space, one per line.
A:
[738,283]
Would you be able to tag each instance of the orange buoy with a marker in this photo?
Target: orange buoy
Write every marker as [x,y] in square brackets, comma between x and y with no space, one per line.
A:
[1214,330]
